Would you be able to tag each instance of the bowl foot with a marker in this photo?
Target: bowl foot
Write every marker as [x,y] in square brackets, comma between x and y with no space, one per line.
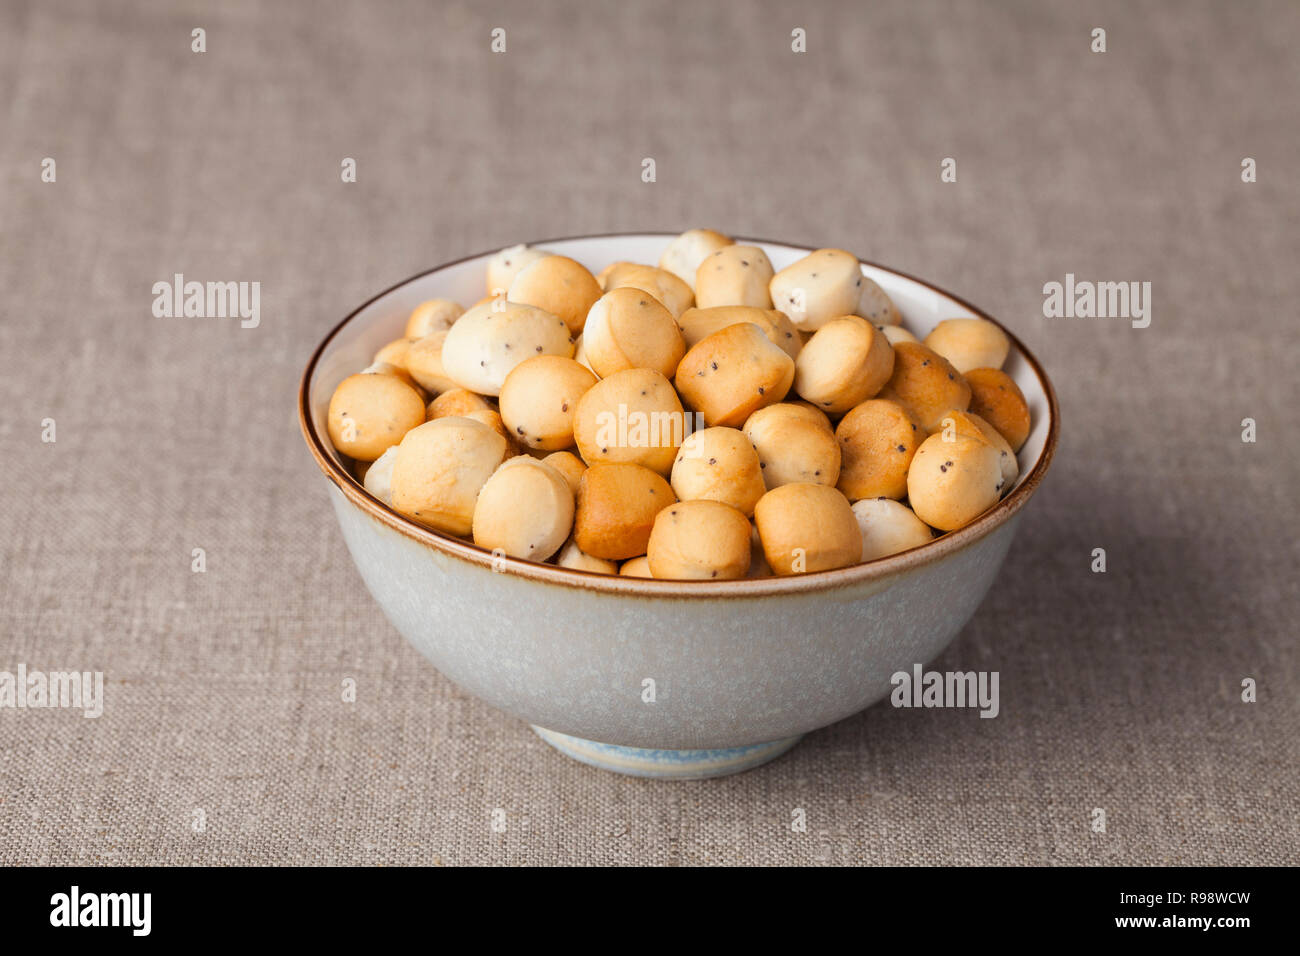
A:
[667,764]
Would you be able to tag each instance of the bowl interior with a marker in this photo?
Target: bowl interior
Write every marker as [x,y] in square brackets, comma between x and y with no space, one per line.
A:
[352,345]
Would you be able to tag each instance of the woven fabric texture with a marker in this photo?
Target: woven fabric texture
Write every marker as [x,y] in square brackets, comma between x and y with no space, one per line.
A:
[224,737]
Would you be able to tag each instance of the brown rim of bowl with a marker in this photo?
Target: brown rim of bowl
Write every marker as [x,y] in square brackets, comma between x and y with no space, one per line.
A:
[878,569]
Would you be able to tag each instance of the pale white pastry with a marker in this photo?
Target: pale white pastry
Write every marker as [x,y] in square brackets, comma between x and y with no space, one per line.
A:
[876,306]
[888,527]
[895,333]
[572,556]
[379,476]
[489,340]
[685,253]
[508,263]
[821,286]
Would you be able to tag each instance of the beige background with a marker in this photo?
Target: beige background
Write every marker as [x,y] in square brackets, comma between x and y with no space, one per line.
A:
[1119,690]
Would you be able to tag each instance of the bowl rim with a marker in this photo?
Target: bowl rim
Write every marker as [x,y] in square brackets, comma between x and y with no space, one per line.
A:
[878,569]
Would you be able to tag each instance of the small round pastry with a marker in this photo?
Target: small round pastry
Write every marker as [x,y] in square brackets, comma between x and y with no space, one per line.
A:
[685,253]
[794,444]
[569,465]
[636,568]
[888,527]
[732,373]
[797,407]
[492,419]
[845,362]
[424,363]
[558,285]
[378,479]
[488,341]
[950,483]
[674,294]
[539,398]
[896,333]
[719,464]
[439,469]
[573,557]
[387,368]
[370,413]
[454,402]
[629,328]
[817,288]
[734,275]
[602,277]
[969,425]
[805,528]
[634,416]
[616,510]
[876,306]
[925,383]
[698,324]
[996,398]
[395,352]
[433,315]
[877,440]
[699,540]
[969,343]
[524,509]
[506,264]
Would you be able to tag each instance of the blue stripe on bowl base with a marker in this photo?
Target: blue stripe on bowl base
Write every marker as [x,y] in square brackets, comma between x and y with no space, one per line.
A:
[667,764]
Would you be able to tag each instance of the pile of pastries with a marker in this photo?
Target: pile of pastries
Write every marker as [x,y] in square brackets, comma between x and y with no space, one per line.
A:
[707,417]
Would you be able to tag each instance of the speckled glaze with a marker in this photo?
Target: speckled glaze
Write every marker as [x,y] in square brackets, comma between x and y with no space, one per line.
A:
[740,669]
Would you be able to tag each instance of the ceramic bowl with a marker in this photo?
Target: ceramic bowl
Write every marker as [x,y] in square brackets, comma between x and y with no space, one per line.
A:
[663,678]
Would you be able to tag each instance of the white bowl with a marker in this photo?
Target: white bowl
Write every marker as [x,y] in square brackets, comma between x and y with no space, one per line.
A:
[739,670]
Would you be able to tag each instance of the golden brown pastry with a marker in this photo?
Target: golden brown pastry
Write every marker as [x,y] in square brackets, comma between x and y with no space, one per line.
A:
[699,540]
[732,373]
[806,528]
[369,413]
[616,510]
